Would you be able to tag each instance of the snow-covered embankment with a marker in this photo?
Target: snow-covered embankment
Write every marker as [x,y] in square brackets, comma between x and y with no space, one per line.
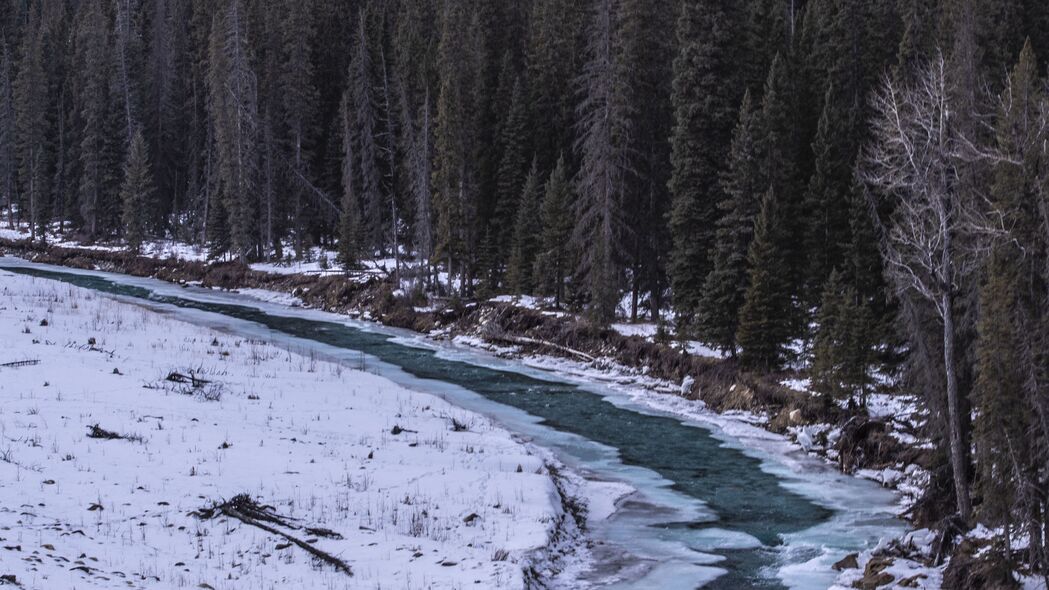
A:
[406,489]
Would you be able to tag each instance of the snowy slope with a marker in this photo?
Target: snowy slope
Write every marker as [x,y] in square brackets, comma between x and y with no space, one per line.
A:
[428,507]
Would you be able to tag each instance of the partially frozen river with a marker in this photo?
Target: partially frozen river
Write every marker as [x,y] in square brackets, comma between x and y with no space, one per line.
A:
[710,509]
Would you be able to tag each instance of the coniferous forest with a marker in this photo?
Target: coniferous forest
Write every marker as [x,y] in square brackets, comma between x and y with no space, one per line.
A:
[860,187]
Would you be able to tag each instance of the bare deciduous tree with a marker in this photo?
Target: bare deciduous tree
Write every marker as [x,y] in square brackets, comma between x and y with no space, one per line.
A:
[913,161]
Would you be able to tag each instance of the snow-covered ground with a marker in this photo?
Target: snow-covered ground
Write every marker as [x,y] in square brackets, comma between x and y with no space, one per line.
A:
[416,500]
[154,248]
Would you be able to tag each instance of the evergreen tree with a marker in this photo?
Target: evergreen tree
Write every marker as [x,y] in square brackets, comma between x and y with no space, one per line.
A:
[647,55]
[726,284]
[136,194]
[166,93]
[349,218]
[95,116]
[1002,420]
[843,347]
[826,200]
[863,268]
[367,152]
[1010,356]
[127,65]
[457,140]
[512,173]
[526,236]
[765,326]
[553,262]
[781,149]
[603,146]
[34,156]
[298,99]
[8,135]
[554,57]
[705,99]
[234,110]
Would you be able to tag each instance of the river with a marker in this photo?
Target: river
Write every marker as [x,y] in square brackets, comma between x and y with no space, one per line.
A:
[710,509]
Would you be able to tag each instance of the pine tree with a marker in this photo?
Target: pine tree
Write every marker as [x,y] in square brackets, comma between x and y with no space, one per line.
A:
[705,102]
[553,261]
[726,285]
[554,57]
[1012,309]
[127,65]
[764,321]
[843,347]
[34,156]
[166,93]
[512,173]
[603,149]
[863,269]
[918,39]
[362,88]
[136,194]
[781,149]
[420,165]
[457,140]
[349,218]
[298,99]
[647,54]
[8,136]
[826,200]
[526,235]
[1002,417]
[234,111]
[94,113]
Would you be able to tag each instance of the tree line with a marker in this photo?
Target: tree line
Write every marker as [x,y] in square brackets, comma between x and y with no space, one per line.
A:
[856,186]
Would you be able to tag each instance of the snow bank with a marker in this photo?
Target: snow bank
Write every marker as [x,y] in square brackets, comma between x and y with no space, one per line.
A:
[420,493]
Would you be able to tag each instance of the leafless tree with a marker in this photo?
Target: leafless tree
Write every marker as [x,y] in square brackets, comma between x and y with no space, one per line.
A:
[913,162]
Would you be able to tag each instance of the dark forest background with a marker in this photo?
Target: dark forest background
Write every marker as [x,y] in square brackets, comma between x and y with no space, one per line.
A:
[855,187]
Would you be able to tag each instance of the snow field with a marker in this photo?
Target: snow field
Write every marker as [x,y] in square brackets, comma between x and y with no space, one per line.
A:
[432,506]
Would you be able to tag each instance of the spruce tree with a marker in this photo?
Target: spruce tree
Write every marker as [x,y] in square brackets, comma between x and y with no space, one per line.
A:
[460,63]
[31,116]
[8,136]
[298,99]
[781,149]
[234,109]
[94,113]
[349,219]
[512,173]
[553,261]
[1002,416]
[764,321]
[726,284]
[603,148]
[647,56]
[826,199]
[843,345]
[136,194]
[706,97]
[361,87]
[1012,315]
[526,235]
[554,55]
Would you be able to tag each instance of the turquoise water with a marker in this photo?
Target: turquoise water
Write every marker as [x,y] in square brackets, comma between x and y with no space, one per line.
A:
[739,496]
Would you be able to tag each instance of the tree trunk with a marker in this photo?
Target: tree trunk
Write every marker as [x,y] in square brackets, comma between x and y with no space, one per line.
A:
[959,455]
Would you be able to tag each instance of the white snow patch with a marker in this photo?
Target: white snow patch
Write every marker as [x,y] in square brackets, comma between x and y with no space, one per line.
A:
[427,507]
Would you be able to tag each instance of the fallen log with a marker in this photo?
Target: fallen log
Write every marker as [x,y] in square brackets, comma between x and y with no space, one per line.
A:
[246,510]
[16,364]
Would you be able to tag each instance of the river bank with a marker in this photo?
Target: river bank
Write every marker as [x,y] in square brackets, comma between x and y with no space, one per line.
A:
[139,450]
[703,386]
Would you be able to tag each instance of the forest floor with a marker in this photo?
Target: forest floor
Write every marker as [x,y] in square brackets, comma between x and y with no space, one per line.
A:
[140,451]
